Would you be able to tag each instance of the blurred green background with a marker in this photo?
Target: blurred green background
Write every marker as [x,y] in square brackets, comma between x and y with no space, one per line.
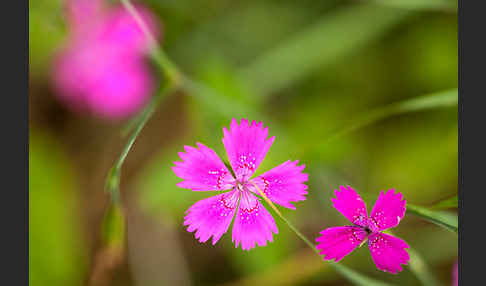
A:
[308,70]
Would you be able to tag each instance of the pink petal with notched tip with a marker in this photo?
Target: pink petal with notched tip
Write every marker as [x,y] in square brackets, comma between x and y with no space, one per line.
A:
[337,242]
[388,252]
[253,223]
[283,184]
[389,209]
[350,205]
[246,145]
[212,216]
[202,170]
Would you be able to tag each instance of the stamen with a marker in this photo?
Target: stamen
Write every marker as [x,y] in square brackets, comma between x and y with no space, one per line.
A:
[267,200]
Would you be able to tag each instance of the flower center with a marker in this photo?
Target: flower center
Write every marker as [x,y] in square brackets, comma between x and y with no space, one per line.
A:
[241,186]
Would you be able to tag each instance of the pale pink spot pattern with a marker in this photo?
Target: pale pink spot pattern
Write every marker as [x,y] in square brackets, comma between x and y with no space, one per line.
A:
[343,240]
[103,70]
[202,170]
[388,252]
[275,182]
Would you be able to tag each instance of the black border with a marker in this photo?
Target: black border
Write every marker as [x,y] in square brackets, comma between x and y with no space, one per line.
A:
[472,140]
[14,120]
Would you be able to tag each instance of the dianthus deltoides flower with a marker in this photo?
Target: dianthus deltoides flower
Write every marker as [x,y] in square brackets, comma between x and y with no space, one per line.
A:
[103,70]
[202,170]
[388,252]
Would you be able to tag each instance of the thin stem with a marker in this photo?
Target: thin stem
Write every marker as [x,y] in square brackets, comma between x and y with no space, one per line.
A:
[167,66]
[446,220]
[445,98]
[300,235]
[174,78]
[292,227]
[113,181]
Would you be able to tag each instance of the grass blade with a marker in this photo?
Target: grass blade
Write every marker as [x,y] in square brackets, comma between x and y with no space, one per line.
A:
[421,270]
[356,277]
[449,203]
[424,102]
[323,43]
[434,5]
[447,220]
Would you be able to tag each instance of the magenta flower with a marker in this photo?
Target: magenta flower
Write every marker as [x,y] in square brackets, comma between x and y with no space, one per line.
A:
[102,70]
[202,170]
[387,252]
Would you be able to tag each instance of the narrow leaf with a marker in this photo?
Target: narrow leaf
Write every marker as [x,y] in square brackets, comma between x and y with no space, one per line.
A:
[355,277]
[421,270]
[424,102]
[334,36]
[449,203]
[435,5]
[440,99]
[419,267]
[447,220]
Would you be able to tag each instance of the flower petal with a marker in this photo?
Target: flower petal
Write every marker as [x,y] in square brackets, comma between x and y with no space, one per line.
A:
[202,170]
[350,205]
[337,242]
[389,209]
[388,252]
[283,184]
[253,223]
[120,27]
[212,216]
[246,146]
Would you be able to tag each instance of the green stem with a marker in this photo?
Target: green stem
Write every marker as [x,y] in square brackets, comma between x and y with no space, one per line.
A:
[160,57]
[300,235]
[421,270]
[420,5]
[174,78]
[113,180]
[445,219]
[353,276]
[445,98]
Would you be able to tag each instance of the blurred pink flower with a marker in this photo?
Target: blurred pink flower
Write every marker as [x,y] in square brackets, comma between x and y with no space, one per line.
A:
[102,69]
[81,14]
[388,252]
[202,170]
[455,274]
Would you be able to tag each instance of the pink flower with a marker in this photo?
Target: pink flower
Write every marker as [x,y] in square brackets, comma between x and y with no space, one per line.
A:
[387,252]
[102,70]
[455,274]
[202,170]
